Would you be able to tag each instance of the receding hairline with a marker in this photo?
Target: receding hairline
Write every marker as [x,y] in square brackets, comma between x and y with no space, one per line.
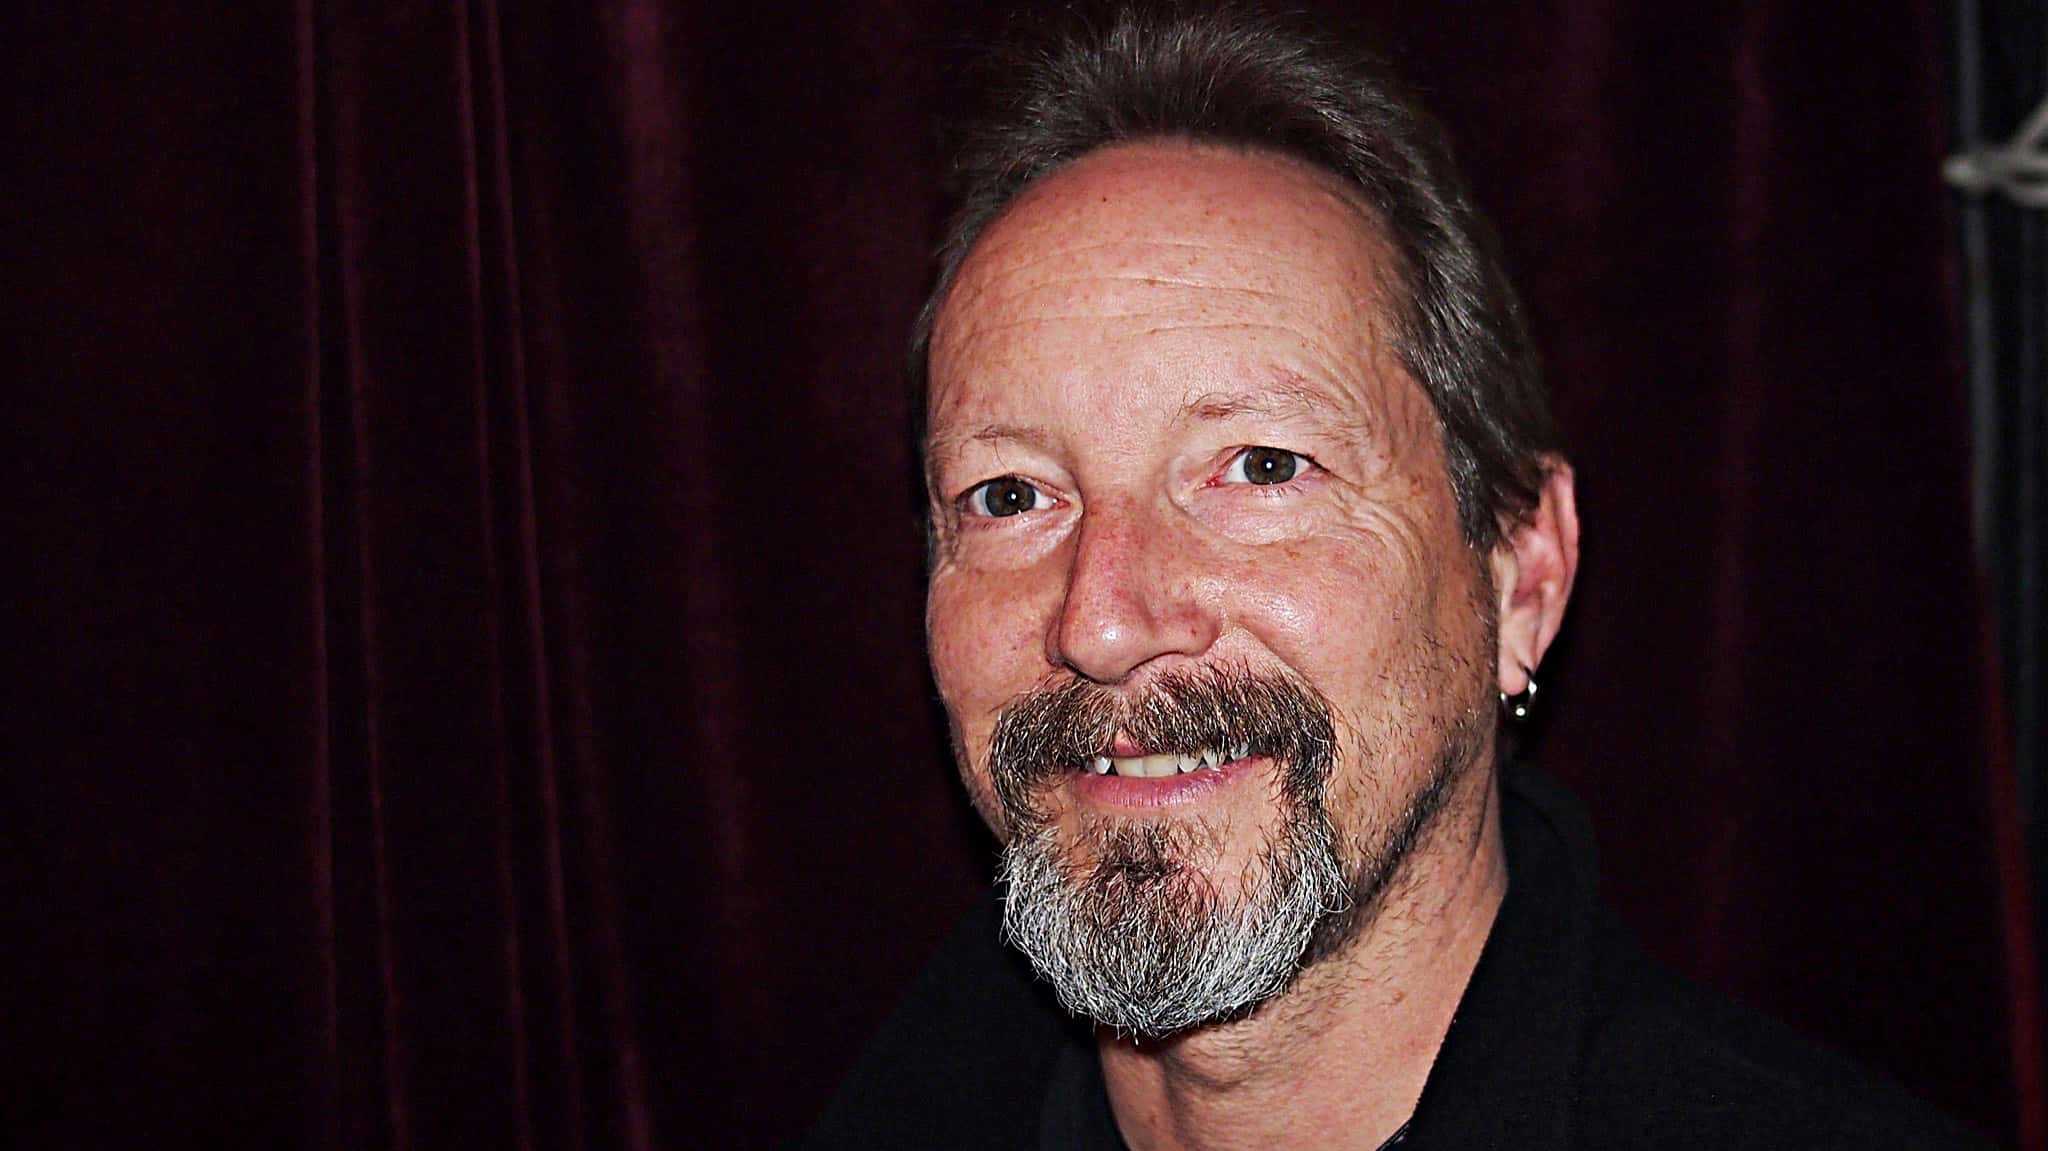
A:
[1387,283]
[1246,78]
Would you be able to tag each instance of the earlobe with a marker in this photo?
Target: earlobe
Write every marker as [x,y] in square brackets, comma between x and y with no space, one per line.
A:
[1533,566]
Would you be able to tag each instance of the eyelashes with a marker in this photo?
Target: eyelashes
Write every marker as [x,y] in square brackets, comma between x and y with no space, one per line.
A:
[1265,467]
[1010,496]
[1003,497]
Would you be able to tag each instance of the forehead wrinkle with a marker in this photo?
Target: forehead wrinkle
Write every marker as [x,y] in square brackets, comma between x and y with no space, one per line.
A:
[1204,285]
[1071,283]
[1172,267]
[993,269]
[1012,266]
[986,331]
[1013,310]
[1100,183]
[1025,279]
[1223,326]
[999,246]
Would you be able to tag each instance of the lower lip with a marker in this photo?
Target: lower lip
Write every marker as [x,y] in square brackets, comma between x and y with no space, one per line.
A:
[1113,790]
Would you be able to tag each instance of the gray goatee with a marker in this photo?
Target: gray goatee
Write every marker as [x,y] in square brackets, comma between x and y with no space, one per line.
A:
[1126,923]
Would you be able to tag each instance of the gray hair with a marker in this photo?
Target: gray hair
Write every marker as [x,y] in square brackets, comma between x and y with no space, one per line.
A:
[1254,81]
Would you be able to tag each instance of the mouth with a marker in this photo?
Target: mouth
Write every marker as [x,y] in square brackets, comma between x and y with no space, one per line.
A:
[1189,735]
[1158,779]
[1167,764]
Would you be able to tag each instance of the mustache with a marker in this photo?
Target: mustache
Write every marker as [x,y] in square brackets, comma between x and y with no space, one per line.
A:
[1059,726]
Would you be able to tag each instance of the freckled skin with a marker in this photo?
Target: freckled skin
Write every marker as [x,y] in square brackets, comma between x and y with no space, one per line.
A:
[1117,340]
[1080,328]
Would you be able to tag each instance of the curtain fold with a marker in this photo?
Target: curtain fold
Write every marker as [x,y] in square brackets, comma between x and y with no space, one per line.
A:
[471,676]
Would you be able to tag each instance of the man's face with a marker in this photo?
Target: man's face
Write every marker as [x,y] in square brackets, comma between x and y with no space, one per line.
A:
[1191,511]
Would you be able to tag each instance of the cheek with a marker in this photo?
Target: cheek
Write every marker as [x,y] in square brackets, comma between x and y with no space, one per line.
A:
[1325,611]
[986,647]
[1378,621]
[986,637]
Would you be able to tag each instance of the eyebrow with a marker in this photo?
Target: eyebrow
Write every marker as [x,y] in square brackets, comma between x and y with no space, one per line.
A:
[1289,394]
[938,447]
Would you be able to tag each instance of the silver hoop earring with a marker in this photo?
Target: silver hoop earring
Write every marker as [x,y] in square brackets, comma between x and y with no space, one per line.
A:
[1519,705]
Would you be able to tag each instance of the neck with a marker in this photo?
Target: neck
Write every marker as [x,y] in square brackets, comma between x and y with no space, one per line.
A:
[1340,1058]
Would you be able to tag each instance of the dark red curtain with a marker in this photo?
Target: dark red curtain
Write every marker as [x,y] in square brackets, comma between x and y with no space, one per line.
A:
[468,686]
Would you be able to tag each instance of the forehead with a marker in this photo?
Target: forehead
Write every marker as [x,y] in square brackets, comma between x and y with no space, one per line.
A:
[1168,248]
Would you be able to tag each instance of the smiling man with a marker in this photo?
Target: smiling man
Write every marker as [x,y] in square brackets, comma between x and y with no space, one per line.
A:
[1249,533]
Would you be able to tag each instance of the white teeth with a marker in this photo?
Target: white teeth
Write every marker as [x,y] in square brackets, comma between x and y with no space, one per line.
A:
[1143,766]
[1158,766]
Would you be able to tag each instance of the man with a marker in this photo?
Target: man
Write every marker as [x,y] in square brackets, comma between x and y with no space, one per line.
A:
[1248,525]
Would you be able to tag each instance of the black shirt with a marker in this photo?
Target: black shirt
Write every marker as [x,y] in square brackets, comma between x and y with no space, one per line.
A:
[1567,1036]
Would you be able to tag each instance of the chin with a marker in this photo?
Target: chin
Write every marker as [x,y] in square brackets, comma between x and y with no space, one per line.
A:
[1128,921]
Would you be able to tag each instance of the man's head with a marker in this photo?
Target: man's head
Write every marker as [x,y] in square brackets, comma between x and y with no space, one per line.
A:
[1243,511]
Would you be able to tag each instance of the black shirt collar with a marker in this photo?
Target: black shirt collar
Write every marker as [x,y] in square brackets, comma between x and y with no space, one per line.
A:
[1507,1074]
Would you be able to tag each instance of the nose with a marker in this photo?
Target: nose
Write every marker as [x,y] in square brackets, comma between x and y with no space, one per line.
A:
[1133,596]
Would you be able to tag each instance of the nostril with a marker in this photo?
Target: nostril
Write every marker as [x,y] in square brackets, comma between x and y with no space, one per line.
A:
[1129,597]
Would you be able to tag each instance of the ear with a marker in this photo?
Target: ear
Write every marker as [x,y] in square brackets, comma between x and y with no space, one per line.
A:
[1533,565]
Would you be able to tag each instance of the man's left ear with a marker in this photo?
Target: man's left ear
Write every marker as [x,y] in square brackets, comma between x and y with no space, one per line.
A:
[1533,565]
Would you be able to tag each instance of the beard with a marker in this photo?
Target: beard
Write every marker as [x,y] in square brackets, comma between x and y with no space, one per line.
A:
[1125,920]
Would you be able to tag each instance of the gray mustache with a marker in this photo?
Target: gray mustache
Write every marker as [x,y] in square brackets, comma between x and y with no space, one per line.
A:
[1061,726]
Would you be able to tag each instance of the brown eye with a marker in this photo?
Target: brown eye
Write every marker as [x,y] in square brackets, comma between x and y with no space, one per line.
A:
[1004,497]
[1269,465]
